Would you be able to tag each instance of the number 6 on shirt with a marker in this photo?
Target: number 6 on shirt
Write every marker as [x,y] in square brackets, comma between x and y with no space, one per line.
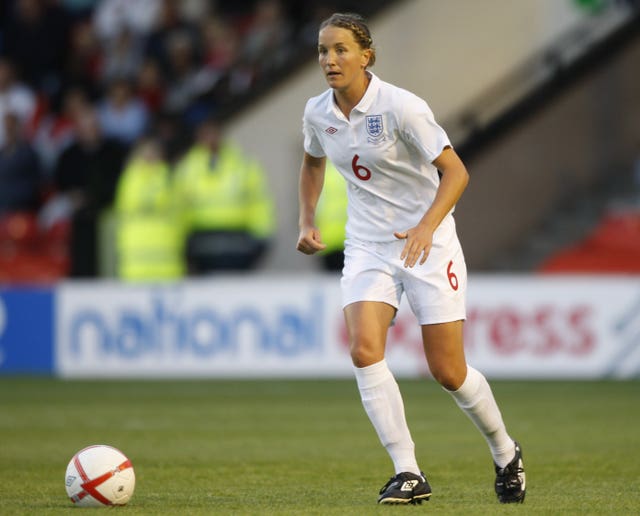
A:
[360,171]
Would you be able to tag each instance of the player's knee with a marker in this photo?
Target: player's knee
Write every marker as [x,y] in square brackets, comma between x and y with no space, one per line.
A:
[448,377]
[363,354]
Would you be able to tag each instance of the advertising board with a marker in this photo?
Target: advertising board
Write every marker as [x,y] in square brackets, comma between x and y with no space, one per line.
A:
[26,331]
[250,326]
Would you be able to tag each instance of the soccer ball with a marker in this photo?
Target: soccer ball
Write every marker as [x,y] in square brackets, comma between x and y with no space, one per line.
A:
[99,475]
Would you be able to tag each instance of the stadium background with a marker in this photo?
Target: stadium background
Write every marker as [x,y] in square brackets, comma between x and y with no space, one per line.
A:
[233,394]
[548,125]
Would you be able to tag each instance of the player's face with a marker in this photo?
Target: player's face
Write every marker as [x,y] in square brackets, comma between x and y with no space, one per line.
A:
[342,60]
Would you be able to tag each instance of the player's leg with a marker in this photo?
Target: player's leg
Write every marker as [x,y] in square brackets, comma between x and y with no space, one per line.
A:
[367,324]
[445,354]
[444,349]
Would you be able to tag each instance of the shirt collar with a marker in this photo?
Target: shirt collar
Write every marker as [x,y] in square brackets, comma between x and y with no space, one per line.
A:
[366,100]
[372,90]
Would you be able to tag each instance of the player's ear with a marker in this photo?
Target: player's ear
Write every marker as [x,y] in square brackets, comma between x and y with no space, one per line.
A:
[366,57]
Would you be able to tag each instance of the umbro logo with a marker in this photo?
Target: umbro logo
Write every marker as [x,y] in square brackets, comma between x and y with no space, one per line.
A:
[330,130]
[409,485]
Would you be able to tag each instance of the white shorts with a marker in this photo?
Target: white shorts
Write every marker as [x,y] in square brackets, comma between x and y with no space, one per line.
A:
[436,290]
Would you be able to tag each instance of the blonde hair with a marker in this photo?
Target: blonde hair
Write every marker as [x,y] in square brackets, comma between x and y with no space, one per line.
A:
[357,25]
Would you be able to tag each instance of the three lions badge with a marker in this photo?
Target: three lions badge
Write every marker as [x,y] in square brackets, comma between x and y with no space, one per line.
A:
[375,128]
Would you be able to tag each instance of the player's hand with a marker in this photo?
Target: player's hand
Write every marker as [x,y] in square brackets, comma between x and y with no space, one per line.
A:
[417,245]
[309,241]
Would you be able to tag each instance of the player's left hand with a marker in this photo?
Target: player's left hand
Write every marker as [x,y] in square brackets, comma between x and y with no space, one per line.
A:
[309,241]
[417,246]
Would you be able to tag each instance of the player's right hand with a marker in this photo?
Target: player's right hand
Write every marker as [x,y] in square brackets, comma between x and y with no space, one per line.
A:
[309,241]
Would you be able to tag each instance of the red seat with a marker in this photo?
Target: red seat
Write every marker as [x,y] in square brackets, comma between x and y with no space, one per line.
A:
[612,247]
[29,254]
[20,227]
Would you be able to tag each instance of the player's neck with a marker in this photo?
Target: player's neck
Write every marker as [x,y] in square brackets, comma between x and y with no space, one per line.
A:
[348,98]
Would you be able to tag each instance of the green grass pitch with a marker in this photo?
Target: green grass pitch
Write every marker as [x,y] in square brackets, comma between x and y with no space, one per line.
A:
[306,447]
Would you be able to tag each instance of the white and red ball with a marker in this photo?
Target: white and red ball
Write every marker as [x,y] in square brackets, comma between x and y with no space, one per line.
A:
[100,475]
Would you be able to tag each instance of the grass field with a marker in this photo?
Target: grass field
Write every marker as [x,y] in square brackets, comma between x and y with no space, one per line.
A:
[306,447]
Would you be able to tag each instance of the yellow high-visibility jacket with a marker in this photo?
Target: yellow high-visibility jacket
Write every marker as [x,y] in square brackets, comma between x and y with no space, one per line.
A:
[331,213]
[224,192]
[150,233]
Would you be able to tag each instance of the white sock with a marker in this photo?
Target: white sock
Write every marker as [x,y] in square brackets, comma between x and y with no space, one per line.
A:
[475,398]
[383,403]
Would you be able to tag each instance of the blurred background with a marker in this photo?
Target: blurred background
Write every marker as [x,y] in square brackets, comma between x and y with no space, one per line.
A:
[149,154]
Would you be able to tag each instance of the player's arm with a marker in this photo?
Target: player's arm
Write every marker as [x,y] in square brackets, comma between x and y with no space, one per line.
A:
[309,189]
[454,180]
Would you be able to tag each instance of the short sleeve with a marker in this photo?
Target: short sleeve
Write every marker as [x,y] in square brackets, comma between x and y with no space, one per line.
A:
[312,143]
[420,128]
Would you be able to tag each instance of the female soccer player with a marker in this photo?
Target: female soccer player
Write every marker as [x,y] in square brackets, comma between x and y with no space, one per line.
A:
[401,237]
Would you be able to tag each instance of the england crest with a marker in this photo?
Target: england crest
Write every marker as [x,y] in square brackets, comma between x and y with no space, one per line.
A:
[374,125]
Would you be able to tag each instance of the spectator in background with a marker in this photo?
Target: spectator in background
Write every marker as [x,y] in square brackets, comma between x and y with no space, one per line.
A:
[149,235]
[78,9]
[230,73]
[169,24]
[20,175]
[112,17]
[122,115]
[264,44]
[83,67]
[172,136]
[228,211]
[150,85]
[183,84]
[331,217]
[196,9]
[230,89]
[221,44]
[4,10]
[36,39]
[86,176]
[56,128]
[123,57]
[313,14]
[56,131]
[15,97]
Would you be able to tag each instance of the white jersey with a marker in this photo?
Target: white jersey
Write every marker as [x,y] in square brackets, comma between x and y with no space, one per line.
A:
[385,153]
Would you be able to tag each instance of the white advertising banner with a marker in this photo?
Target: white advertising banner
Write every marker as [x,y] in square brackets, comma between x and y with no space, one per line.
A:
[546,327]
[222,327]
[255,326]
